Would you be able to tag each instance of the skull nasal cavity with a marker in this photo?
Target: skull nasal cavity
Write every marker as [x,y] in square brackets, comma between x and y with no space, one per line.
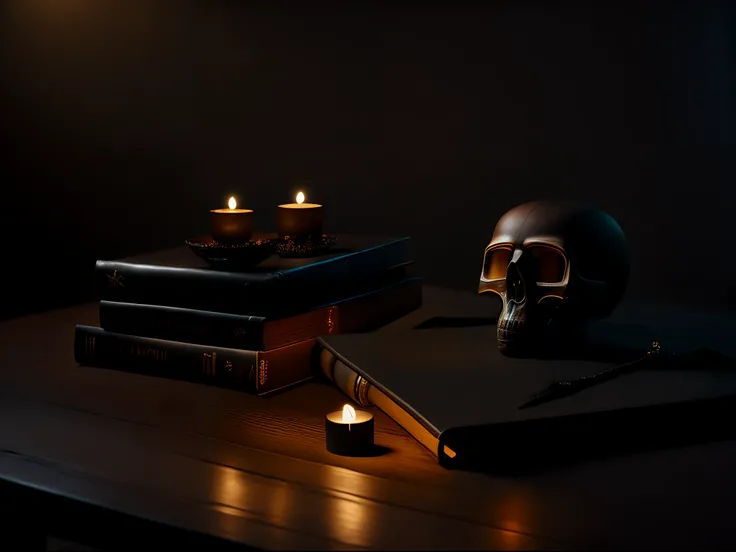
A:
[515,288]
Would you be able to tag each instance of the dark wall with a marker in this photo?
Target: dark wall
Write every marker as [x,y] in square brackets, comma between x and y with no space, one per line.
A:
[125,121]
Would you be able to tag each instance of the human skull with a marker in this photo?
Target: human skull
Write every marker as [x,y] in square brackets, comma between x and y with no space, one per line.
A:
[555,265]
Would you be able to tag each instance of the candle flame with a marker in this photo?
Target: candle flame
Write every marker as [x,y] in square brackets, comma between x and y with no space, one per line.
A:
[348,414]
[232,203]
[300,197]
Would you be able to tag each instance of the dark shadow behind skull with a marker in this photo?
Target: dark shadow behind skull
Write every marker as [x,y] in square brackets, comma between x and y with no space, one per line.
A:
[556,265]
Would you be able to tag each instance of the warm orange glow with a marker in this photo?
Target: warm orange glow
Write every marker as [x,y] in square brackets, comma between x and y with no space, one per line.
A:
[348,414]
[232,203]
[229,487]
[300,197]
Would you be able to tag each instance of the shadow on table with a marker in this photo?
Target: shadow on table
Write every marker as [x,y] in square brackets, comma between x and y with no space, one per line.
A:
[591,438]
[551,443]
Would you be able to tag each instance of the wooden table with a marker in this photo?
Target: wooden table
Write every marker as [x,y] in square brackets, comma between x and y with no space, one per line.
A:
[117,460]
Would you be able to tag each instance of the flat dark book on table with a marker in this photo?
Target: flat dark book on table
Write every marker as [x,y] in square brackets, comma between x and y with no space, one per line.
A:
[258,333]
[275,287]
[454,392]
[259,372]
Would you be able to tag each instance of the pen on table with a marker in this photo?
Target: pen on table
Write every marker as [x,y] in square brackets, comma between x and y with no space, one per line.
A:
[565,388]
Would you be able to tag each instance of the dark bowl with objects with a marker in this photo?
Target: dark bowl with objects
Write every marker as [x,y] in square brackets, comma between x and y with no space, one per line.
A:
[233,255]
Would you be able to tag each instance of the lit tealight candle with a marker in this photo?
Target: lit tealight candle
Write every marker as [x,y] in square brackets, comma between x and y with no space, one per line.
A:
[349,432]
[232,225]
[299,221]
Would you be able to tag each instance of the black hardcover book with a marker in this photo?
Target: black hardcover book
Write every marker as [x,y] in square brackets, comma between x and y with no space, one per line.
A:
[276,287]
[258,372]
[358,313]
[443,379]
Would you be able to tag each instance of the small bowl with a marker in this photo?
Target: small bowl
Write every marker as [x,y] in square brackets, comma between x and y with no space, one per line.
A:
[309,247]
[238,255]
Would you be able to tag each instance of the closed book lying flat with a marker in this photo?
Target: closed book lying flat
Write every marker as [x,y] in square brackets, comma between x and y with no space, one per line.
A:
[258,372]
[355,314]
[453,391]
[277,286]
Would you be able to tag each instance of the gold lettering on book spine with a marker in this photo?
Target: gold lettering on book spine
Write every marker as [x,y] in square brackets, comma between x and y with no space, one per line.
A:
[208,364]
[136,351]
[330,320]
[262,372]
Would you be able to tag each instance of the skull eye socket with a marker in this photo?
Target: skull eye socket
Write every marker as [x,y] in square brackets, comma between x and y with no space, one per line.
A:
[495,263]
[549,264]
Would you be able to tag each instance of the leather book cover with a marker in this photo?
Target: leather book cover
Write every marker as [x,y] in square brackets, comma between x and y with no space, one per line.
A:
[361,312]
[462,395]
[276,287]
[259,372]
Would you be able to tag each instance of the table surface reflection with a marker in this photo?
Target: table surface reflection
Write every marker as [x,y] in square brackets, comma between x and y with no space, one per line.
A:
[170,458]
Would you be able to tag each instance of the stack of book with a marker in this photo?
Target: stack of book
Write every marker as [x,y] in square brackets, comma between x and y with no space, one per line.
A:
[169,314]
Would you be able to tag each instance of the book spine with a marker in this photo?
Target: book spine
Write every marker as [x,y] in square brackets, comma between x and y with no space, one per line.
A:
[358,313]
[194,288]
[251,371]
[250,293]
[217,329]
[373,310]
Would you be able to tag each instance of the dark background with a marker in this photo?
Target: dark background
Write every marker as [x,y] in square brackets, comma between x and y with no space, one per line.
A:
[124,122]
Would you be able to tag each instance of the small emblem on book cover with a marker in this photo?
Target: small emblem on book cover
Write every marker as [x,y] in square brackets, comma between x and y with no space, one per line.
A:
[239,334]
[208,363]
[262,372]
[116,280]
